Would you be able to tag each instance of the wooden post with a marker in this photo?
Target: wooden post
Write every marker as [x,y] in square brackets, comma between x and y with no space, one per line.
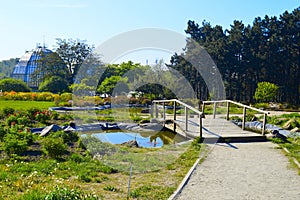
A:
[164,111]
[186,118]
[203,107]
[156,111]
[215,107]
[264,124]
[227,111]
[244,118]
[174,110]
[151,111]
[200,125]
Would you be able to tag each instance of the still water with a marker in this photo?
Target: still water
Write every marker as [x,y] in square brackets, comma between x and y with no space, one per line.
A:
[148,140]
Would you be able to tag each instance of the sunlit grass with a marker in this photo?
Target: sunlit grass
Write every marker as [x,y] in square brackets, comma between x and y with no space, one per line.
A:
[25,105]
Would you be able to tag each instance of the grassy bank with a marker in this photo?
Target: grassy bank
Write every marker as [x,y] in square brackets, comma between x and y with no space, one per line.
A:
[23,179]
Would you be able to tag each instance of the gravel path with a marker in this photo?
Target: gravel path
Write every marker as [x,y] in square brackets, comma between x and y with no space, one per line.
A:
[243,171]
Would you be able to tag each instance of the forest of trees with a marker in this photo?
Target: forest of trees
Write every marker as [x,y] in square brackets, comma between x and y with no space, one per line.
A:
[7,66]
[268,50]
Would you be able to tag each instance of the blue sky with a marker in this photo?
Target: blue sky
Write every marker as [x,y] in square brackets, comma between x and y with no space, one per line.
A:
[23,24]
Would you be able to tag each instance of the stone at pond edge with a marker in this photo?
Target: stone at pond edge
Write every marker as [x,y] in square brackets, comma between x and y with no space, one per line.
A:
[296,129]
[290,124]
[50,128]
[131,143]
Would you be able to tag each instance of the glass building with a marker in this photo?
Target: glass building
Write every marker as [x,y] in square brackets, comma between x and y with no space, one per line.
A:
[27,64]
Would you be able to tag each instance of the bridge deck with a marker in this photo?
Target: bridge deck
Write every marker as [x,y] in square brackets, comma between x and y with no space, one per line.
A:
[214,130]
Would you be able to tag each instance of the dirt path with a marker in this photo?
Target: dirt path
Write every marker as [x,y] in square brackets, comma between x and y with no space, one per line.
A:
[243,171]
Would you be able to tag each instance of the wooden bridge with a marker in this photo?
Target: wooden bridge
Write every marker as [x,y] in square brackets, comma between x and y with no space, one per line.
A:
[211,128]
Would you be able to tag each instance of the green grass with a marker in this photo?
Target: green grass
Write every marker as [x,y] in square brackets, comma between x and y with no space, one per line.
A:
[24,105]
[293,146]
[20,179]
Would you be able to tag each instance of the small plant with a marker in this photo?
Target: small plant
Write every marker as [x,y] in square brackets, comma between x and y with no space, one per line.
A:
[85,178]
[54,147]
[66,136]
[69,194]
[12,144]
[111,188]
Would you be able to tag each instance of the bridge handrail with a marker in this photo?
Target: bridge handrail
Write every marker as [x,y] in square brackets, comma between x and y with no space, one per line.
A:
[265,113]
[180,102]
[237,103]
[186,106]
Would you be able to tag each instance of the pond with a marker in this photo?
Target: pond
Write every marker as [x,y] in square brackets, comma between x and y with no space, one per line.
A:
[148,140]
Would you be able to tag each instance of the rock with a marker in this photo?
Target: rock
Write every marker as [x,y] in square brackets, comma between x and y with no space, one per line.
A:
[254,118]
[296,129]
[69,129]
[270,135]
[276,134]
[131,143]
[290,124]
[50,128]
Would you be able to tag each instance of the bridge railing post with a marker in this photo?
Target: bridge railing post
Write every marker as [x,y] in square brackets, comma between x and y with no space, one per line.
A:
[264,124]
[164,111]
[174,116]
[215,108]
[244,118]
[156,111]
[200,125]
[227,110]
[186,117]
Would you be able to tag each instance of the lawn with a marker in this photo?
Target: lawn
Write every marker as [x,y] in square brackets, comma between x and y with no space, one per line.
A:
[24,105]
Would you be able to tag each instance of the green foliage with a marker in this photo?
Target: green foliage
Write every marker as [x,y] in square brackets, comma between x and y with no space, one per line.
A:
[33,195]
[8,111]
[111,188]
[73,53]
[69,194]
[245,55]
[12,144]
[2,132]
[54,147]
[54,84]
[152,192]
[109,84]
[66,136]
[96,147]
[7,66]
[10,84]
[265,91]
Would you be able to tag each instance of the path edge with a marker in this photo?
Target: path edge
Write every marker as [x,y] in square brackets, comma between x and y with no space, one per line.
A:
[188,175]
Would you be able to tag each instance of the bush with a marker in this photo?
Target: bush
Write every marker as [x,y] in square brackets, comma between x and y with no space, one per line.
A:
[12,144]
[67,137]
[8,111]
[10,84]
[54,84]
[54,147]
[2,132]
[17,118]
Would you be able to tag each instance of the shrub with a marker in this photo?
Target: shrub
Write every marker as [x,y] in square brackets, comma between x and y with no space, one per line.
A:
[12,144]
[2,132]
[43,116]
[54,147]
[65,97]
[76,158]
[8,111]
[10,84]
[67,137]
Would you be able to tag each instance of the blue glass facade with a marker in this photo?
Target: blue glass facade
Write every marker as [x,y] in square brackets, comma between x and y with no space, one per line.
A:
[27,65]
